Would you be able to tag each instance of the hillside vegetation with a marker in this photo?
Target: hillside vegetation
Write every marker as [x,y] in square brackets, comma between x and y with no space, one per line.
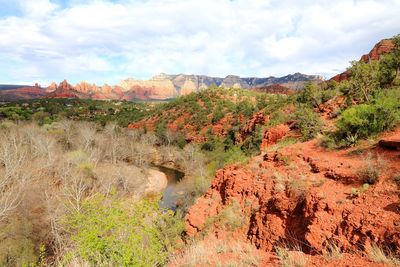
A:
[75,176]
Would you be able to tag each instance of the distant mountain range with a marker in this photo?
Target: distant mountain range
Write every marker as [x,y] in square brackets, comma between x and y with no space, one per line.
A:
[159,87]
[166,86]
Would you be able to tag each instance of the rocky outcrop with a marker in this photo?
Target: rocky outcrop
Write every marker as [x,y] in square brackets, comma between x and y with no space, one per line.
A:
[232,81]
[52,87]
[273,135]
[381,48]
[85,87]
[392,142]
[64,90]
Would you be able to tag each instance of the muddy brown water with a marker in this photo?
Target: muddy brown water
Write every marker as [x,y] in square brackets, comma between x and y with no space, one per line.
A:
[171,192]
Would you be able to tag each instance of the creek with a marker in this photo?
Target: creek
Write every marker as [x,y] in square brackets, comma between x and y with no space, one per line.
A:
[171,192]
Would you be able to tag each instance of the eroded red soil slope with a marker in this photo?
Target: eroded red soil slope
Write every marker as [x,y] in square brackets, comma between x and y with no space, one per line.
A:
[305,196]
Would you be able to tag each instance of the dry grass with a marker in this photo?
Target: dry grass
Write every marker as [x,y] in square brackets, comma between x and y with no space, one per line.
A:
[230,218]
[299,187]
[290,254]
[290,258]
[371,171]
[212,252]
[334,252]
[379,255]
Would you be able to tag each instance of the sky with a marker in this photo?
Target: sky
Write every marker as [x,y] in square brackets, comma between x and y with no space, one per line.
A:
[106,41]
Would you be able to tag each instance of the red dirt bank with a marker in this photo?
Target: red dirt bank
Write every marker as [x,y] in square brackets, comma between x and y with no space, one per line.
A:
[303,194]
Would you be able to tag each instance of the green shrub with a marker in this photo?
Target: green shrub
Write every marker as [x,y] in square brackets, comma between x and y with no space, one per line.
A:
[278,117]
[245,107]
[107,233]
[311,95]
[262,101]
[309,123]
[251,146]
[161,129]
[370,119]
[218,114]
[389,65]
[364,81]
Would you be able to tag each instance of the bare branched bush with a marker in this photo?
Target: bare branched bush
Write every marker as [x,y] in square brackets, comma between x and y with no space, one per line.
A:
[67,129]
[139,151]
[14,159]
[86,135]
[122,177]
[192,160]
[112,131]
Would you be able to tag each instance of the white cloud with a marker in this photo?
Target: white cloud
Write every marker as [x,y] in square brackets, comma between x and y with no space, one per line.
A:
[103,41]
[37,8]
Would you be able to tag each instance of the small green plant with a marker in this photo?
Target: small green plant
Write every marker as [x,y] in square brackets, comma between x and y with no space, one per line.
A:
[281,144]
[42,256]
[370,175]
[278,117]
[351,140]
[356,192]
[283,159]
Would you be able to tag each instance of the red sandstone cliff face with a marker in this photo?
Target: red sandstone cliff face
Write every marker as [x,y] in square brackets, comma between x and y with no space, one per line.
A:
[383,47]
[303,194]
